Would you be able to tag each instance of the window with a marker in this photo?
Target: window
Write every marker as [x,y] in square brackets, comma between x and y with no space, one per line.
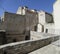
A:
[35,28]
[46,30]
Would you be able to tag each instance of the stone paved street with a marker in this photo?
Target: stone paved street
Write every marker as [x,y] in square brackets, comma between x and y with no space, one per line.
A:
[53,48]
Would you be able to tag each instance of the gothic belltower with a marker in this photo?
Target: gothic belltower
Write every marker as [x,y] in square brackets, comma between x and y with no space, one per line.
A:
[56,15]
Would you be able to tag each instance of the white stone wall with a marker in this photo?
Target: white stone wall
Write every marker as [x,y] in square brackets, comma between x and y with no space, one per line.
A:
[21,11]
[45,19]
[39,28]
[41,17]
[56,14]
[39,35]
[41,21]
[50,27]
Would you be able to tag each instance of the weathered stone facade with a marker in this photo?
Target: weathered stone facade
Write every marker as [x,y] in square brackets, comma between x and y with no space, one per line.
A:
[18,25]
[31,17]
[46,22]
[14,25]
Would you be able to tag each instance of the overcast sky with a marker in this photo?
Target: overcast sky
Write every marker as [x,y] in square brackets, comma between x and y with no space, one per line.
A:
[12,5]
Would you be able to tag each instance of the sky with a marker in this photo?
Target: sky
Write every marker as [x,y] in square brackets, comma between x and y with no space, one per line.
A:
[12,5]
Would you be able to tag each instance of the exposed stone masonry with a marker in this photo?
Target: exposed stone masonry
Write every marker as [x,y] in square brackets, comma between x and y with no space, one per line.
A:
[26,46]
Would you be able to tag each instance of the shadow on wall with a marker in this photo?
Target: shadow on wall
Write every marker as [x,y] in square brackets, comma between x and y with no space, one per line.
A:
[3,39]
[27,38]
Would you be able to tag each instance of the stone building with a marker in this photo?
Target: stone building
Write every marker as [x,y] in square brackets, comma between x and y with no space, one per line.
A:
[45,22]
[45,25]
[14,26]
[18,25]
[31,17]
